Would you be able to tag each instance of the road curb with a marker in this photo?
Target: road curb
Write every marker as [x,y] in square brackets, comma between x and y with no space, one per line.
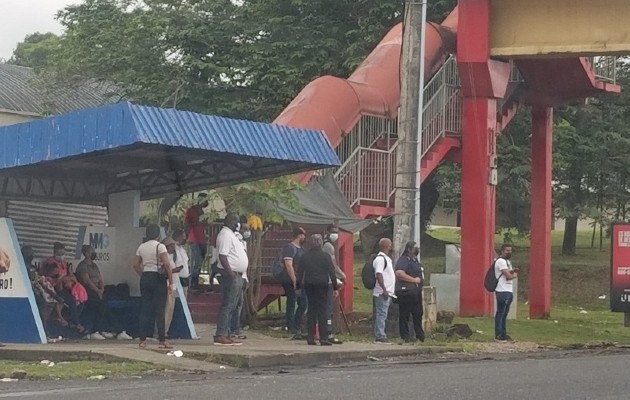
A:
[248,361]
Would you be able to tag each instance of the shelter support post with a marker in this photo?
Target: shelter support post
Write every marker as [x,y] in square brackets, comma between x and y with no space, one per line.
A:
[483,81]
[346,263]
[541,217]
[123,209]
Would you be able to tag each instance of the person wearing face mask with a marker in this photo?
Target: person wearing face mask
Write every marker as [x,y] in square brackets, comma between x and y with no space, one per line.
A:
[95,314]
[332,235]
[232,265]
[290,259]
[409,279]
[66,285]
[504,292]
[243,234]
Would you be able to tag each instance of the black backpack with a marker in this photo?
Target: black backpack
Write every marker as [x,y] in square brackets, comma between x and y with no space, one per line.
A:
[491,281]
[368,276]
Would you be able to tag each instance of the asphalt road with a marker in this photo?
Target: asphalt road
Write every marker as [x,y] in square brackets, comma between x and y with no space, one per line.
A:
[594,377]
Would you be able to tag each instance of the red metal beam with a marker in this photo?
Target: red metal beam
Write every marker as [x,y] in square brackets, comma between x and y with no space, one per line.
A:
[540,248]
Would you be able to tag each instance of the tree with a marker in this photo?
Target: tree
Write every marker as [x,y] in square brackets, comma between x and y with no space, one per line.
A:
[35,51]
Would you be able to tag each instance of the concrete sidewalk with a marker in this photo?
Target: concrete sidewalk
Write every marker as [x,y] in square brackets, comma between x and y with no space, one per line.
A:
[201,355]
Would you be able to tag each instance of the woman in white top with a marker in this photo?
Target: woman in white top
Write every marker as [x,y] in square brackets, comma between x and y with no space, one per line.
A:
[150,256]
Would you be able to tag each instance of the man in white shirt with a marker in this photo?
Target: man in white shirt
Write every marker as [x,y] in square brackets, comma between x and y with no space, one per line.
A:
[384,289]
[504,292]
[180,259]
[233,263]
[243,234]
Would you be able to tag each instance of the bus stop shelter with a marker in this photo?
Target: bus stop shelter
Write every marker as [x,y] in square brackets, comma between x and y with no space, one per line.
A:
[119,154]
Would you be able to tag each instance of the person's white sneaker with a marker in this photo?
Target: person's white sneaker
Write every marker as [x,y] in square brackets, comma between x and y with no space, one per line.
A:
[123,336]
[107,335]
[97,336]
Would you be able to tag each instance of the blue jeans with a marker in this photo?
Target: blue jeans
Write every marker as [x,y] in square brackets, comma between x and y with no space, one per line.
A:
[197,255]
[381,308]
[504,299]
[231,289]
[293,316]
[235,320]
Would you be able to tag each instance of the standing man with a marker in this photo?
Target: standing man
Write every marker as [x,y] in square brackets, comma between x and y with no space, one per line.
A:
[176,267]
[384,289]
[233,263]
[180,258]
[243,235]
[504,292]
[332,235]
[196,231]
[291,254]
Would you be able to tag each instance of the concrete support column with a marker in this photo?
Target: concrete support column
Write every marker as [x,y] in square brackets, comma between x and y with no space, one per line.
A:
[478,205]
[123,209]
[345,257]
[541,196]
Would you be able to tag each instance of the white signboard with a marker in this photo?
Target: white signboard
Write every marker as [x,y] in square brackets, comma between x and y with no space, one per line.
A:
[19,316]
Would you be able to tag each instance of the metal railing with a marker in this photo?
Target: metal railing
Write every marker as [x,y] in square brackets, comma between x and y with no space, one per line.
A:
[367,174]
[443,106]
[605,68]
[365,133]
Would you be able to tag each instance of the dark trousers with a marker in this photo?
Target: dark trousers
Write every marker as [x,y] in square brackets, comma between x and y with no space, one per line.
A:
[330,310]
[317,313]
[73,310]
[93,315]
[410,306]
[294,316]
[153,292]
[504,300]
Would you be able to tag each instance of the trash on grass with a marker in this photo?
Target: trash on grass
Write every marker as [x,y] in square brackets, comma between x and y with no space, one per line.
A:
[96,377]
[602,297]
[583,312]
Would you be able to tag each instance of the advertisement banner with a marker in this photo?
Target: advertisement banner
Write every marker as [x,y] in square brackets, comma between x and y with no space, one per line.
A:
[20,321]
[620,268]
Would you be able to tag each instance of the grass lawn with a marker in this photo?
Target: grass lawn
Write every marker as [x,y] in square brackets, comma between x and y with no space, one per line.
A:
[74,369]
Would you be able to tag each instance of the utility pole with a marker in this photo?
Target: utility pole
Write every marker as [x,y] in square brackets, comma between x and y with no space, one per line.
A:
[407,194]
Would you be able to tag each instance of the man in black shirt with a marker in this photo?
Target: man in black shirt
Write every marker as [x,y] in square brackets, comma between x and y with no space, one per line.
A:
[291,254]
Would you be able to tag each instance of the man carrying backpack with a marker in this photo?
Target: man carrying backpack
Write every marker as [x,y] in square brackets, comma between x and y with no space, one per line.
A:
[289,260]
[384,288]
[504,273]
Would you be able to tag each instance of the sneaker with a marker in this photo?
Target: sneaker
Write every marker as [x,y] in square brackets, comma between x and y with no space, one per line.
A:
[382,341]
[96,336]
[107,335]
[123,336]
[226,341]
[508,338]
[334,340]
[500,339]
[325,343]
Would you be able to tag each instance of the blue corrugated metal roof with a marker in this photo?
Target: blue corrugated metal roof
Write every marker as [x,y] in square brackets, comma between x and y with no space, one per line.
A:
[124,123]
[84,155]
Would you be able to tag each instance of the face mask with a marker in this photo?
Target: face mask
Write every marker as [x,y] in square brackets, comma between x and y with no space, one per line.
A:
[60,258]
[333,237]
[416,251]
[93,256]
[237,227]
[247,234]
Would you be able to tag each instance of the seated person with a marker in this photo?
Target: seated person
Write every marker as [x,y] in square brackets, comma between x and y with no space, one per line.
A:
[95,314]
[49,301]
[66,288]
[66,285]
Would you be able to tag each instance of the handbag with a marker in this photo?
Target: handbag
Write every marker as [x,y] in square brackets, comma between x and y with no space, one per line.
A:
[406,289]
[161,269]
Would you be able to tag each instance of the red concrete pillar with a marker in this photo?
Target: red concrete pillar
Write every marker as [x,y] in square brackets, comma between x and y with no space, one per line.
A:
[540,249]
[478,194]
[346,263]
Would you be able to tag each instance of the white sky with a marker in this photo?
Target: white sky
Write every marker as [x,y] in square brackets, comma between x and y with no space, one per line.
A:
[21,17]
